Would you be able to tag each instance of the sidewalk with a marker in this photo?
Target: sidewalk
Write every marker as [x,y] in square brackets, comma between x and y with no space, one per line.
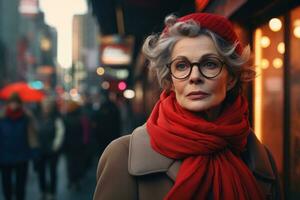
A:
[63,193]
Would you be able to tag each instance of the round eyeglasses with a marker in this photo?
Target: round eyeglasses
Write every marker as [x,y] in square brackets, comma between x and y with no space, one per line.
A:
[209,67]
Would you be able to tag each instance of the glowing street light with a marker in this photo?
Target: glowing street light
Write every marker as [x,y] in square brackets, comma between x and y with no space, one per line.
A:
[100,71]
[129,94]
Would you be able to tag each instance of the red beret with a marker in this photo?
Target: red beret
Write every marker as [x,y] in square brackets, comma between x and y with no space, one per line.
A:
[217,24]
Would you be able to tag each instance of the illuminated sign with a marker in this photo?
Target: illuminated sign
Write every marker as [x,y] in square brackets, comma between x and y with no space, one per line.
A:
[29,7]
[116,50]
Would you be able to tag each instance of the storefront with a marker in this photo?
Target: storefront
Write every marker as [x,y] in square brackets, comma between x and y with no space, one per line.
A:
[277,93]
[273,30]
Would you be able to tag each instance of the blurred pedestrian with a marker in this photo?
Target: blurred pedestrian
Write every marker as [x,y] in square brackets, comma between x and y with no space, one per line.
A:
[90,141]
[106,121]
[76,144]
[17,141]
[197,142]
[51,134]
[126,116]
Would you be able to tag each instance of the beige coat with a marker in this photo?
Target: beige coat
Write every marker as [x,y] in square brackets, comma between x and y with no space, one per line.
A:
[129,169]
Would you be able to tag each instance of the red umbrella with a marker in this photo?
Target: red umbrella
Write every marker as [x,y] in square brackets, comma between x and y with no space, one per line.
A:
[26,93]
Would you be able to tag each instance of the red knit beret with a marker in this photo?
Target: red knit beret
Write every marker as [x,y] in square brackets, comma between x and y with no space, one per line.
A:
[217,24]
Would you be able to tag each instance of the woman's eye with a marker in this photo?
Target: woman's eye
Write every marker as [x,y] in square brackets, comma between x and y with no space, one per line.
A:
[211,64]
[182,66]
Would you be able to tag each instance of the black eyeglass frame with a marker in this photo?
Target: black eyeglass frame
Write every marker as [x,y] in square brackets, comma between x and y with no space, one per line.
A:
[198,64]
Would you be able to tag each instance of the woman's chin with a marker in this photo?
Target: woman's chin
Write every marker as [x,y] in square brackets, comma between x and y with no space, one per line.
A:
[196,107]
[207,110]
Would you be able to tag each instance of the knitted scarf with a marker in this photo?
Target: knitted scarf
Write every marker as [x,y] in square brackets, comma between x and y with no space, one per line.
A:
[14,114]
[211,167]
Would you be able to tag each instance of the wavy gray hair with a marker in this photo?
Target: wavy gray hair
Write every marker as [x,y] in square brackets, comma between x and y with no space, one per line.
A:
[158,48]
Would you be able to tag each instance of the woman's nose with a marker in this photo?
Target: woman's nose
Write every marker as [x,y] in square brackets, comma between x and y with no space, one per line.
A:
[195,75]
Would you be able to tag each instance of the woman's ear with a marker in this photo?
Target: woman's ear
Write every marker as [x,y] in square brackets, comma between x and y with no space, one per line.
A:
[231,82]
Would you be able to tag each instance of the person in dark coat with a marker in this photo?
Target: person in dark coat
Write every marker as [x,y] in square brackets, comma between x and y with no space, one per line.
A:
[106,122]
[197,142]
[75,144]
[17,141]
[51,135]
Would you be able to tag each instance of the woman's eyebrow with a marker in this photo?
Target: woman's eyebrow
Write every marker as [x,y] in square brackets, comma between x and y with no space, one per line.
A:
[208,55]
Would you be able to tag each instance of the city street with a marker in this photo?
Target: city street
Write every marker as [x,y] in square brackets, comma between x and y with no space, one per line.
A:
[63,193]
[208,91]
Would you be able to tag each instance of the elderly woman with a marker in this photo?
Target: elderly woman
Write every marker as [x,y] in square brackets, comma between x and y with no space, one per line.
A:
[197,142]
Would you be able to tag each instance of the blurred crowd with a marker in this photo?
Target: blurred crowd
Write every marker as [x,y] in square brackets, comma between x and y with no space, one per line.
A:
[39,133]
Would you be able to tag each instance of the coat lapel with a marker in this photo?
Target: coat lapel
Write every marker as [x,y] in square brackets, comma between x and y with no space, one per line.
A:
[144,160]
[257,158]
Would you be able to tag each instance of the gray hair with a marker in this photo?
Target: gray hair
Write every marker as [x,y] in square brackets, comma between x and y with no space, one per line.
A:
[158,48]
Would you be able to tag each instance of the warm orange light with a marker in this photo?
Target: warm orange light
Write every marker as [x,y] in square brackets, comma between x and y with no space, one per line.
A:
[73,92]
[139,91]
[281,48]
[277,63]
[264,63]
[275,24]
[265,41]
[258,85]
[297,31]
[45,44]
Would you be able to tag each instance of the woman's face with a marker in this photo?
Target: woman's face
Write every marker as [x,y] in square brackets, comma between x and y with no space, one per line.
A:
[197,93]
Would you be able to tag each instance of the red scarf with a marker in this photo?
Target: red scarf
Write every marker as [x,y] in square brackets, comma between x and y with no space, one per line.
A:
[14,114]
[209,169]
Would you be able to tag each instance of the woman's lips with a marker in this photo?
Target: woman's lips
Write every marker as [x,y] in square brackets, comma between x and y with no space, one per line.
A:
[197,95]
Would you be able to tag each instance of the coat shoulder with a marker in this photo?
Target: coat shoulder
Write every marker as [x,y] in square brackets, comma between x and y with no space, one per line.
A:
[112,172]
[114,154]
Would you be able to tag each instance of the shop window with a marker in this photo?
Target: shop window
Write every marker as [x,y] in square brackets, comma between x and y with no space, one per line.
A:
[295,101]
[269,49]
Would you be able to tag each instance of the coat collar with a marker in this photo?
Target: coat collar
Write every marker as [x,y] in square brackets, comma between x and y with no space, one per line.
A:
[257,159]
[144,160]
